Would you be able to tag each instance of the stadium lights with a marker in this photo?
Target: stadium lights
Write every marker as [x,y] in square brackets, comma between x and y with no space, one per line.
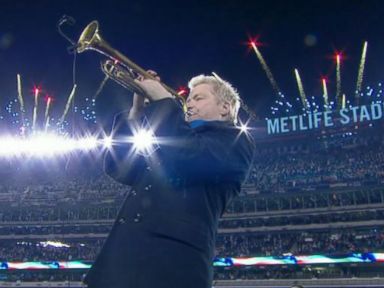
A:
[43,145]
[243,126]
[144,141]
[56,244]
[107,142]
[50,144]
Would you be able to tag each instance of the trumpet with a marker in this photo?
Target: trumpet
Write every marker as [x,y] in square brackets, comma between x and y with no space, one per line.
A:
[119,68]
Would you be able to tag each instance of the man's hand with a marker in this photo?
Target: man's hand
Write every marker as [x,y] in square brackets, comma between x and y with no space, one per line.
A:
[137,106]
[153,89]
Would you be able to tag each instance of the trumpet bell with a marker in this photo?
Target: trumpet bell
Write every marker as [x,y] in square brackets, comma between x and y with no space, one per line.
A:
[89,38]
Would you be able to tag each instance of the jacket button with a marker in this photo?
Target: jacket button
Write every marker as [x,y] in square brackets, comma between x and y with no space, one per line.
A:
[137,218]
[121,220]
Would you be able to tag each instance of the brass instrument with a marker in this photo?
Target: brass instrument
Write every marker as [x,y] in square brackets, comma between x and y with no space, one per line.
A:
[119,68]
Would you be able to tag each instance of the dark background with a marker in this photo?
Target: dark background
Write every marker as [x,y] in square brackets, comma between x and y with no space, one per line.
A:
[181,39]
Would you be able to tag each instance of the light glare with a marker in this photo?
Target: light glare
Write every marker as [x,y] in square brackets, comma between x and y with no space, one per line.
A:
[43,145]
[143,140]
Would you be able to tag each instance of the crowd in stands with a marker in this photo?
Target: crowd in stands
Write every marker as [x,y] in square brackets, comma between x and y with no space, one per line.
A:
[297,272]
[252,203]
[301,243]
[35,250]
[260,273]
[20,231]
[78,209]
[305,219]
[90,224]
[277,169]
[62,190]
[358,164]
[106,209]
[330,241]
[43,276]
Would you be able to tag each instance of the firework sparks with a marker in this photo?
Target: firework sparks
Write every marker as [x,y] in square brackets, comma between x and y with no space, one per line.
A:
[301,89]
[325,93]
[266,68]
[70,98]
[102,84]
[35,108]
[46,117]
[21,100]
[343,101]
[46,125]
[338,80]
[47,108]
[361,72]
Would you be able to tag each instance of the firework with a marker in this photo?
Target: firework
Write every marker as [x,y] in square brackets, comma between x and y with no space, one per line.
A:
[47,108]
[266,68]
[46,117]
[102,84]
[301,89]
[343,101]
[68,103]
[46,124]
[35,108]
[325,93]
[338,80]
[21,100]
[361,72]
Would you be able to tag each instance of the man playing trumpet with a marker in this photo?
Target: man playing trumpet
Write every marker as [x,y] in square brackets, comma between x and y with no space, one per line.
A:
[164,234]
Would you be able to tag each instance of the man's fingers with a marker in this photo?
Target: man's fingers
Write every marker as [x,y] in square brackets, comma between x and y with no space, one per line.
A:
[150,72]
[154,74]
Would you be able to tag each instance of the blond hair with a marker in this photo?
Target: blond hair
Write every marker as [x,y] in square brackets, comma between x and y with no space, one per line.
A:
[222,89]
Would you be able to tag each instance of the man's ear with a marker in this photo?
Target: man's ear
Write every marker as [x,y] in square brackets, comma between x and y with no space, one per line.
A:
[225,108]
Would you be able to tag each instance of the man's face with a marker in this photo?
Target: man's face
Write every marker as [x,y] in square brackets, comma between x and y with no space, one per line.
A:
[202,104]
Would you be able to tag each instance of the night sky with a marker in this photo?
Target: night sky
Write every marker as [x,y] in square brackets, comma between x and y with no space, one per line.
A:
[180,39]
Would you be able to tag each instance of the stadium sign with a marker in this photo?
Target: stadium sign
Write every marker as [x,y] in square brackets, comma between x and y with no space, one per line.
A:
[316,120]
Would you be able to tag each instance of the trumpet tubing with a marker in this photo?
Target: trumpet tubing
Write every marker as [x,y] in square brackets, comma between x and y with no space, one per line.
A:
[119,68]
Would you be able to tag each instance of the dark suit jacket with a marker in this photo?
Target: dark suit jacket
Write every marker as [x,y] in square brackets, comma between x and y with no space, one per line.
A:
[164,234]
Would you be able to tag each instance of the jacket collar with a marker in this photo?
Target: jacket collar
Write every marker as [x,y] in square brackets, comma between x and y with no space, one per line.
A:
[203,124]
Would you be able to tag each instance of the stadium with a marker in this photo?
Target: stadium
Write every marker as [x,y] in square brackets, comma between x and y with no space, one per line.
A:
[310,213]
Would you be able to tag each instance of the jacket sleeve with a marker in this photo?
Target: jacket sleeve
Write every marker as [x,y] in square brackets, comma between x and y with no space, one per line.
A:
[121,162]
[224,153]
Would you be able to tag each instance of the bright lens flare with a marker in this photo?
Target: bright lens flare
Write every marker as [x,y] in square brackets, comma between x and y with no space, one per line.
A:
[244,128]
[107,142]
[43,145]
[143,141]
[55,244]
